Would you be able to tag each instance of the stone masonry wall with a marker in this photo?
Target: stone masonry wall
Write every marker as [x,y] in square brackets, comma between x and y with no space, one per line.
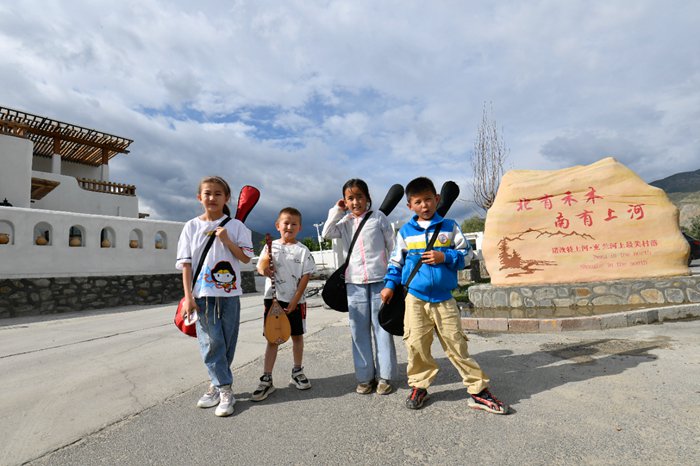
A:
[666,290]
[36,296]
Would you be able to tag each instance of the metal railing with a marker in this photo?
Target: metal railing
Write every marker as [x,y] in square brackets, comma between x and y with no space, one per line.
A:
[107,187]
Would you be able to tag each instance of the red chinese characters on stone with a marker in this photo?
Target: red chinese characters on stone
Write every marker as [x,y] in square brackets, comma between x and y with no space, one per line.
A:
[568,199]
[546,200]
[586,217]
[591,196]
[636,210]
[594,248]
[610,215]
[561,221]
[523,204]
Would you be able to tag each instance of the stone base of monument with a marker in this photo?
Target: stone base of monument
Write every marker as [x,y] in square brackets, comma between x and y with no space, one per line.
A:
[581,306]
[574,299]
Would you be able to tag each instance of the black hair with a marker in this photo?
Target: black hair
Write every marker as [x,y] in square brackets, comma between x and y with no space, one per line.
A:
[419,185]
[361,185]
[290,211]
[221,182]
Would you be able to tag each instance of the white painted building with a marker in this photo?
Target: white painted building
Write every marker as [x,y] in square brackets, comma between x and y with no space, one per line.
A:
[60,215]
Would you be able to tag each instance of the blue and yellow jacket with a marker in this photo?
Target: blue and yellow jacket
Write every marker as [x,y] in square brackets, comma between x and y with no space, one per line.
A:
[432,283]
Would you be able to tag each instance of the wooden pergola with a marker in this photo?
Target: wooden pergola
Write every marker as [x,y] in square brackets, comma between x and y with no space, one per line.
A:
[73,143]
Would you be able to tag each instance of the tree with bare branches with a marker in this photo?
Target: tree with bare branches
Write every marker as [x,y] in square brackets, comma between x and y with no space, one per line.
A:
[488,158]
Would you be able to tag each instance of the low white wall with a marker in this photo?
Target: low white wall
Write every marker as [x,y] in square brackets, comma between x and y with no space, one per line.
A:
[70,197]
[22,258]
[326,261]
[15,170]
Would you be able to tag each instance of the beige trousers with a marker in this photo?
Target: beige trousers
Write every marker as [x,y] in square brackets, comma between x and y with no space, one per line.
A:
[420,320]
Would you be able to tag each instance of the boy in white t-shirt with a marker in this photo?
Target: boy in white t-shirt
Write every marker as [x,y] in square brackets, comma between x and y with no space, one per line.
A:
[293,265]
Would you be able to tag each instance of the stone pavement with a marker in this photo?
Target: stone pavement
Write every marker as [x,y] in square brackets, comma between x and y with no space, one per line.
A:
[619,396]
[666,313]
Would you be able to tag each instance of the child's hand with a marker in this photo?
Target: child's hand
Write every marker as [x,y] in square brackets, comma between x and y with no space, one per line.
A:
[222,234]
[267,272]
[291,306]
[341,204]
[386,295]
[433,257]
[189,307]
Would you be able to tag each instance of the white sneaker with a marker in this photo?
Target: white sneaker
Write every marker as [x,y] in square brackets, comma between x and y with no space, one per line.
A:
[264,389]
[225,407]
[210,398]
[300,380]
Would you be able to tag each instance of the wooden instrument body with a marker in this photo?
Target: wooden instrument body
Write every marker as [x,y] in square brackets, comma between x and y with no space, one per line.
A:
[277,327]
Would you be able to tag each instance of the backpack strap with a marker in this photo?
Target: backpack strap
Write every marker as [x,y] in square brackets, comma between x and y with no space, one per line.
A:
[428,248]
[354,238]
[205,251]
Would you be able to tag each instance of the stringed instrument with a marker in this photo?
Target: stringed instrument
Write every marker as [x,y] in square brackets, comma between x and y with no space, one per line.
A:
[277,328]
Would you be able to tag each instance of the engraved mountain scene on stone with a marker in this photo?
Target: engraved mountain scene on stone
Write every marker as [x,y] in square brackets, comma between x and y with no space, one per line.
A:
[510,258]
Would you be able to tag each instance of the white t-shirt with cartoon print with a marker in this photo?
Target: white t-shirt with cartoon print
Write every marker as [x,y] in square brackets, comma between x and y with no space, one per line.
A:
[291,262]
[221,274]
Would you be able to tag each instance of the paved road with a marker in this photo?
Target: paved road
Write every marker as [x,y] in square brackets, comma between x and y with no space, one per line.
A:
[120,388]
[65,377]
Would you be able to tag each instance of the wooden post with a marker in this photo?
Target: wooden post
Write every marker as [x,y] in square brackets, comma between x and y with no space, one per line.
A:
[105,165]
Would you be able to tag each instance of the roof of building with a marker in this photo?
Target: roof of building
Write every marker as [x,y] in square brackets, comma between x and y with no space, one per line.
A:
[74,143]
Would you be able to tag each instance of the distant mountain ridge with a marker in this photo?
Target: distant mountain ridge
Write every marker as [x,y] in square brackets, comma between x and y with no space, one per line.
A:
[258,241]
[683,190]
[685,182]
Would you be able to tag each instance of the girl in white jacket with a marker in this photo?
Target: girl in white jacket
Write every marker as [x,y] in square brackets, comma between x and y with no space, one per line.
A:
[364,278]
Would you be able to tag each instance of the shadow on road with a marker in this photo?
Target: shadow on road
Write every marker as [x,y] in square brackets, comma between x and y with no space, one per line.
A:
[516,377]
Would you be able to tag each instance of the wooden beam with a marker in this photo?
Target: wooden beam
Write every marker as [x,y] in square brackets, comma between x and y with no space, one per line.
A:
[22,128]
[56,146]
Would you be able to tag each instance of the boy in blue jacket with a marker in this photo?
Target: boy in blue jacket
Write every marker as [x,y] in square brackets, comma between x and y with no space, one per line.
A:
[429,302]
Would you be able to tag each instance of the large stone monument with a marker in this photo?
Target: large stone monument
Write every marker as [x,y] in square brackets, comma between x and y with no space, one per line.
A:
[583,237]
[581,224]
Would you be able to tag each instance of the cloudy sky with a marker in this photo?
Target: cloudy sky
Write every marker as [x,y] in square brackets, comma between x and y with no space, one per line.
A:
[295,97]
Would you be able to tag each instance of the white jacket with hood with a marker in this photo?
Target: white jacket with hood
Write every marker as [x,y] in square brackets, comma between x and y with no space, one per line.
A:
[370,255]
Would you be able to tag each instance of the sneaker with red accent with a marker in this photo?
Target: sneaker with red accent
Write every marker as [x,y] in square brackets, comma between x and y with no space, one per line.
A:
[417,397]
[486,401]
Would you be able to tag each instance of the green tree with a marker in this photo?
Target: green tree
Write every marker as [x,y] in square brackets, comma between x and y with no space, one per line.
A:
[475,223]
[310,243]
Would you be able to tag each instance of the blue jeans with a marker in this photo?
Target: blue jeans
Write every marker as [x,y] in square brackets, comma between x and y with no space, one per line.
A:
[217,332]
[363,306]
